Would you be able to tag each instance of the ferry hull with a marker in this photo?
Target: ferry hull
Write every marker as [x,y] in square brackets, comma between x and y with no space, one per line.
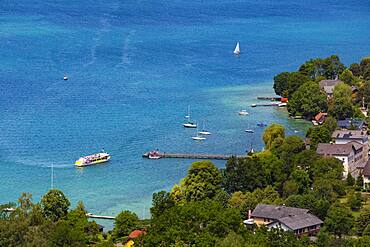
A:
[79,163]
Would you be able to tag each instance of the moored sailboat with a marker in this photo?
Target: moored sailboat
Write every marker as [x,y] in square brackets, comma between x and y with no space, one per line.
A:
[204,131]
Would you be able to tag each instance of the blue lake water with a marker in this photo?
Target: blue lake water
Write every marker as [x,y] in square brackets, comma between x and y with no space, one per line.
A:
[134,67]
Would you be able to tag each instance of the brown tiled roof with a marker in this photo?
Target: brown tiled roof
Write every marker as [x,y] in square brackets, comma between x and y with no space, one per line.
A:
[320,115]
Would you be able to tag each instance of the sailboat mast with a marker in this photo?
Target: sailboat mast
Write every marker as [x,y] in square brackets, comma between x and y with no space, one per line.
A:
[52,176]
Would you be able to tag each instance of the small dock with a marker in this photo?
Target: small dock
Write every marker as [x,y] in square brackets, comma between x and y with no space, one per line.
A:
[193,156]
[269,98]
[267,104]
[90,215]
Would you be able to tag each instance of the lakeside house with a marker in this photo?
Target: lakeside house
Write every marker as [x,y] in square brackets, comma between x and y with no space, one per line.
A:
[328,86]
[351,154]
[298,220]
[348,123]
[320,118]
[346,136]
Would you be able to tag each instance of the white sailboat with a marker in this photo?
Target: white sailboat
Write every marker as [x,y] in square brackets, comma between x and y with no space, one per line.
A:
[188,115]
[237,49]
[198,137]
[204,131]
[189,123]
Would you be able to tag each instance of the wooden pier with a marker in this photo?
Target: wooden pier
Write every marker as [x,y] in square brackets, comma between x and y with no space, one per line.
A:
[269,98]
[267,104]
[192,156]
[90,215]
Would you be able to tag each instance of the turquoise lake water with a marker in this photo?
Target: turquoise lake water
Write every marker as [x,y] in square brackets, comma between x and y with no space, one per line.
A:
[134,67]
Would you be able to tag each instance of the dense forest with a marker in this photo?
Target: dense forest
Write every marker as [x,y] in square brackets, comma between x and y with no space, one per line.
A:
[306,98]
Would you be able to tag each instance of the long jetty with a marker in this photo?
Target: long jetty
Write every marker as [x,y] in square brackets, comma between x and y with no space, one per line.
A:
[90,215]
[192,156]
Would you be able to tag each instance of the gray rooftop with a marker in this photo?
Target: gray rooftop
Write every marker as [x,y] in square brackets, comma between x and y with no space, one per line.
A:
[276,212]
[350,134]
[329,149]
[366,170]
[329,83]
[300,221]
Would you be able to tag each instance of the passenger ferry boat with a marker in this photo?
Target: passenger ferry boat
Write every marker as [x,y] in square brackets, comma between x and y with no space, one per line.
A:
[92,159]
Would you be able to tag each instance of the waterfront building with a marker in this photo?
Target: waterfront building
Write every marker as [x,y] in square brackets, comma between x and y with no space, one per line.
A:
[320,118]
[328,86]
[298,220]
[351,154]
[348,123]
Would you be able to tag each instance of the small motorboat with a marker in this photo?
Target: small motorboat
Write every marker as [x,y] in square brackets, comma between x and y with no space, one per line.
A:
[243,113]
[282,104]
[249,131]
[154,155]
[65,78]
[261,124]
[253,105]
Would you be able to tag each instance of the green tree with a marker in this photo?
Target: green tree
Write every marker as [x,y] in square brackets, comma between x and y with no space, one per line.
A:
[350,180]
[355,69]
[365,68]
[222,197]
[329,67]
[360,182]
[295,80]
[307,101]
[203,181]
[302,180]
[243,174]
[305,159]
[333,67]
[273,168]
[290,188]
[327,168]
[339,220]
[291,146]
[330,124]
[271,133]
[281,84]
[161,201]
[354,200]
[55,205]
[199,223]
[124,223]
[342,102]
[318,134]
[348,77]
[64,235]
[362,220]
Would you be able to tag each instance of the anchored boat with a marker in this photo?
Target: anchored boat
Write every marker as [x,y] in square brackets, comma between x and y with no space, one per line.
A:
[92,159]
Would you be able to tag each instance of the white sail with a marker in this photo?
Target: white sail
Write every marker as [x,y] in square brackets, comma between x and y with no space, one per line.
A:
[237,49]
